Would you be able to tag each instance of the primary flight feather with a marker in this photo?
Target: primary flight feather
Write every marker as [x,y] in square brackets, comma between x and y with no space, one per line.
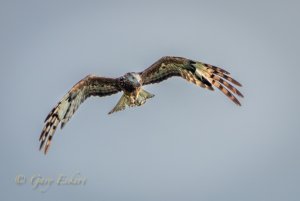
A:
[201,74]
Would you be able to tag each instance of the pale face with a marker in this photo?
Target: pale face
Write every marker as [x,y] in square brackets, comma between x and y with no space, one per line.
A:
[134,78]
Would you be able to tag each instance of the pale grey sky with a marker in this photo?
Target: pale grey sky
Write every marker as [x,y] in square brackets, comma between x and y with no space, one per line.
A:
[186,143]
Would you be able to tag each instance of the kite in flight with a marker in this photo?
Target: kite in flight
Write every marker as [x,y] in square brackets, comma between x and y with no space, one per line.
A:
[201,74]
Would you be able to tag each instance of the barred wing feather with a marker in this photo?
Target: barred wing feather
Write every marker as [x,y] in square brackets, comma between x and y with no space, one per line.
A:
[66,107]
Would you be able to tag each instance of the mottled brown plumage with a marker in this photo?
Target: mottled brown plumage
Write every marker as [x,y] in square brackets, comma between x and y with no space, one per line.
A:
[201,74]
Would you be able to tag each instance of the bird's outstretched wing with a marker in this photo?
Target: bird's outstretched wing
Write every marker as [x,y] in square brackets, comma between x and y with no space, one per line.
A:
[201,74]
[63,111]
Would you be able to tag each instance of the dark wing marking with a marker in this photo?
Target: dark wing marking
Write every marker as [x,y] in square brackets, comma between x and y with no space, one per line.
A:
[63,111]
[201,74]
[162,69]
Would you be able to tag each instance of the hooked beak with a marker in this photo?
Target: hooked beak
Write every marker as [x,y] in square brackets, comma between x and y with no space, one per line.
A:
[138,84]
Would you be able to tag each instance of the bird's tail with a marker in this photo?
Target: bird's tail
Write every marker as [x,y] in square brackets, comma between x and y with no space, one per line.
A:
[144,95]
[128,101]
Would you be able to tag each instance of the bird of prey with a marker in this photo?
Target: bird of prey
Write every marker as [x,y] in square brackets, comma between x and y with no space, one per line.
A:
[199,73]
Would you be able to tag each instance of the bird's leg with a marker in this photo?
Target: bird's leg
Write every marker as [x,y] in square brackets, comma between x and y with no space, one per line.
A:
[132,100]
[138,99]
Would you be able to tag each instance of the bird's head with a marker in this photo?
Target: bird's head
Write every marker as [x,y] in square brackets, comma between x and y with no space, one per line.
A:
[133,78]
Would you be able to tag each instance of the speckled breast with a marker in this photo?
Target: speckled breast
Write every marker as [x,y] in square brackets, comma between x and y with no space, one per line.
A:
[126,85]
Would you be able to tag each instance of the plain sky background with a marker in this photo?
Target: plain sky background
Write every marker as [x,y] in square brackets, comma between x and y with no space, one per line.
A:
[186,143]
